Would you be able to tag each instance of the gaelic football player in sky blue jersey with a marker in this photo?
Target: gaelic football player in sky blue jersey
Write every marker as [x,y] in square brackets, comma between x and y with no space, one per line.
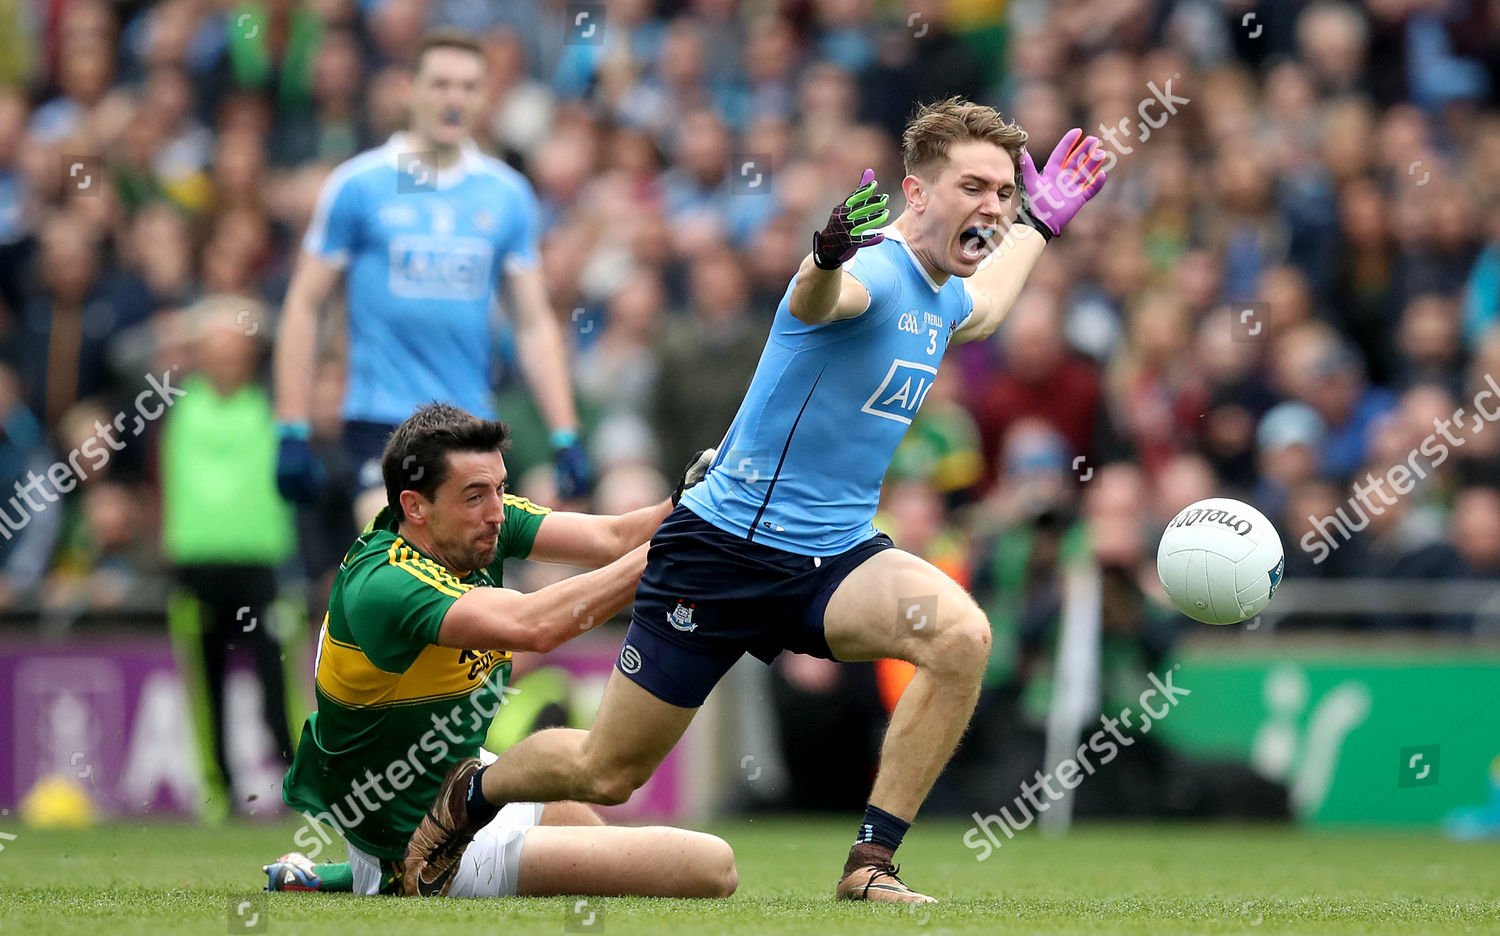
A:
[775,549]
[422,231]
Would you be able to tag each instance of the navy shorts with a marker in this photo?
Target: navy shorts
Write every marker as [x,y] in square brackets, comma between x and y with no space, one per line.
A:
[364,443]
[708,596]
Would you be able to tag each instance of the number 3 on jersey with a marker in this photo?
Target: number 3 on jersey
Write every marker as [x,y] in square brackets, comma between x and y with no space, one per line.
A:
[910,323]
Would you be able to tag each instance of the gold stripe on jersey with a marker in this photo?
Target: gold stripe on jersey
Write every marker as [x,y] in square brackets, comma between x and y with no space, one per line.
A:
[521,503]
[348,677]
[409,560]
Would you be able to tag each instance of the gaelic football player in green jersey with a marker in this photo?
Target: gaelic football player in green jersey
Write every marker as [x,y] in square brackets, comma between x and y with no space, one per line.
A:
[413,663]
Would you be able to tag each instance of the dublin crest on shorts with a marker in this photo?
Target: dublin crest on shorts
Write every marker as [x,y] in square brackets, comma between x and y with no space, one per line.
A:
[682,617]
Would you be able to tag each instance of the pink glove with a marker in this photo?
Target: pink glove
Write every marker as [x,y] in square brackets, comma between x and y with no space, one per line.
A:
[1073,175]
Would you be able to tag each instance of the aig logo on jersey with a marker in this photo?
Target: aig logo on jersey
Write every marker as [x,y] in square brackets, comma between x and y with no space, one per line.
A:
[428,267]
[901,394]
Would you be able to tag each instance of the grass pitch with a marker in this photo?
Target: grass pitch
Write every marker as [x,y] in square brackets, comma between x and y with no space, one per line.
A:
[169,879]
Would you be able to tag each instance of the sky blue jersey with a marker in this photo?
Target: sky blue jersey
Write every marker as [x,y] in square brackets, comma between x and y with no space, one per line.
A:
[422,250]
[802,464]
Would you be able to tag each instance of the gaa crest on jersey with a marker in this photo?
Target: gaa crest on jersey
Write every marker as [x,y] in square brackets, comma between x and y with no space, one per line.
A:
[900,395]
[398,214]
[681,617]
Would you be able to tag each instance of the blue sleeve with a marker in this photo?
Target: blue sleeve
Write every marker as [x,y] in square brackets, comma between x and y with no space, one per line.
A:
[521,252]
[967,305]
[334,229]
[1482,294]
[877,275]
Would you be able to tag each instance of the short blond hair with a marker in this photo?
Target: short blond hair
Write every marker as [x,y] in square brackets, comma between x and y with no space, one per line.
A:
[448,37]
[937,126]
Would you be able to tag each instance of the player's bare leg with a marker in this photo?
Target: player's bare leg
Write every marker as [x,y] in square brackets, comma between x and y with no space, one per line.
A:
[632,734]
[895,605]
[615,861]
[570,814]
[295,872]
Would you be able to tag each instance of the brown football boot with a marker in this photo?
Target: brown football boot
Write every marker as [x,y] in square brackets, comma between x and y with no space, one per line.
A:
[869,875]
[439,841]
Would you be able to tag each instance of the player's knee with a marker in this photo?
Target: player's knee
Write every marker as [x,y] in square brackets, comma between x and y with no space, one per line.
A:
[961,647]
[713,871]
[724,877]
[611,791]
[614,784]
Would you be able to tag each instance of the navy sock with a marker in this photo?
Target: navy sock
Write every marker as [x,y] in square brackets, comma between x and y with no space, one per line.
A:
[882,829]
[480,810]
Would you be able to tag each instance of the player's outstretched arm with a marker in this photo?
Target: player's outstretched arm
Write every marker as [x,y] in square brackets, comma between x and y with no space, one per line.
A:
[294,365]
[545,364]
[502,619]
[1049,200]
[590,540]
[823,292]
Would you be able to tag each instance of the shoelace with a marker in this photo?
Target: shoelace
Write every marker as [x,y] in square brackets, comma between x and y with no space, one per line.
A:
[890,871]
[452,843]
[448,839]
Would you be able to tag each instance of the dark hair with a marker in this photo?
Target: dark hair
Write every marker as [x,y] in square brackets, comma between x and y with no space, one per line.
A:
[447,38]
[416,455]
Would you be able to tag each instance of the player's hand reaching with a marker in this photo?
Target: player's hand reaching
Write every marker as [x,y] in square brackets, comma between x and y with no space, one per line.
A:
[850,225]
[574,476]
[1074,173]
[694,473]
[299,474]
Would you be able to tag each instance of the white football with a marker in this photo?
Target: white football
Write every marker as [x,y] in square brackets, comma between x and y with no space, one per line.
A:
[1220,561]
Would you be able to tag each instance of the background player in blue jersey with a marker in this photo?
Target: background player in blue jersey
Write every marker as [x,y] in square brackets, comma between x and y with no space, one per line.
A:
[421,231]
[775,549]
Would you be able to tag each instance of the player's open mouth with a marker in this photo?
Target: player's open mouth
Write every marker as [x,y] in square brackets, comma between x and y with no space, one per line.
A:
[971,242]
[453,116]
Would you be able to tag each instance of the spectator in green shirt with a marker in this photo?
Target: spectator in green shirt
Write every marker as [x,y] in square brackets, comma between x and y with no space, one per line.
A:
[225,530]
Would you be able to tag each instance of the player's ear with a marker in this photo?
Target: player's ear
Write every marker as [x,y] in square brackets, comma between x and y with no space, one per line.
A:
[915,191]
[414,505]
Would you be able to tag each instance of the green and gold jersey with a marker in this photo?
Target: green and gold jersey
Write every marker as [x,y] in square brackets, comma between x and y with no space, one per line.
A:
[395,710]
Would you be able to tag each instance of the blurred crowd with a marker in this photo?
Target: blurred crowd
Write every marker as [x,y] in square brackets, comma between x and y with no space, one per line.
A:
[1293,271]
